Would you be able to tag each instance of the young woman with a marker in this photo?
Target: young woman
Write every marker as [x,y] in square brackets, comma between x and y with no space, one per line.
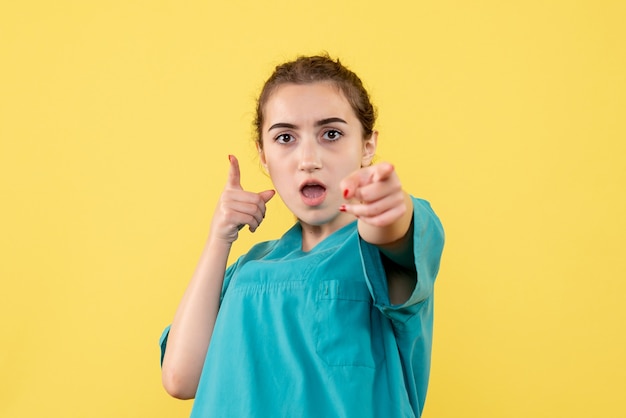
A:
[334,319]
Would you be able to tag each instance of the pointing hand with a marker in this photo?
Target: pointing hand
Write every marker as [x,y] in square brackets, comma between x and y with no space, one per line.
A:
[237,207]
[375,195]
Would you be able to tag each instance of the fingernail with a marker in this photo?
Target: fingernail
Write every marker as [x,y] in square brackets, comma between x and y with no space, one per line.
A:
[345,193]
[230,157]
[342,208]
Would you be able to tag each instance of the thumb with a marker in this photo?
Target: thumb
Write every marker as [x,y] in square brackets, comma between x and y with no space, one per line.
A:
[267,195]
[234,177]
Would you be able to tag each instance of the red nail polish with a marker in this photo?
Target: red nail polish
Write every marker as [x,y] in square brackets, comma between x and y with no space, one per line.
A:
[345,193]
[342,208]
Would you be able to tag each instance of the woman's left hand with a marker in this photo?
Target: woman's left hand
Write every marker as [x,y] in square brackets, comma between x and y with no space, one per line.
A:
[375,195]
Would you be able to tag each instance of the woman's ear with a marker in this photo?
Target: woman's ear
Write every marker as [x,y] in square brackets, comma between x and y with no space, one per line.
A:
[369,149]
[261,156]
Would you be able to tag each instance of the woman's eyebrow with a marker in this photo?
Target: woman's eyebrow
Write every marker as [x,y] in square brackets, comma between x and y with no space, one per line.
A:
[322,122]
[282,125]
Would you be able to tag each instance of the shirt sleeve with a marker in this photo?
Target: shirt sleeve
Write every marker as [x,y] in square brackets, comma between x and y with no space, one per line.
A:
[163,341]
[428,240]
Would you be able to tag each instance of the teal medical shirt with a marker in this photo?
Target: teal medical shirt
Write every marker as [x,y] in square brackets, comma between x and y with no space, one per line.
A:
[313,334]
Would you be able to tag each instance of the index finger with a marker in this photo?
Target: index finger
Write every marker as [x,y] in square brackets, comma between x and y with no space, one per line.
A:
[365,176]
[234,176]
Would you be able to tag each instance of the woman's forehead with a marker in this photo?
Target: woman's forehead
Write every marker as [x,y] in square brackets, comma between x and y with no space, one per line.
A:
[314,99]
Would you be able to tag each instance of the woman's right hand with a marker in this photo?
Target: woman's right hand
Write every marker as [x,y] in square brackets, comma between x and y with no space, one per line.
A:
[237,207]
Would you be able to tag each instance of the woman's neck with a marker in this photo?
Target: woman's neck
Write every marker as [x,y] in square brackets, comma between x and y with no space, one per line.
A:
[312,235]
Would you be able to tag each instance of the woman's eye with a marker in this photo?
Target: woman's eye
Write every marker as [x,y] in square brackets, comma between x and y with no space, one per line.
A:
[284,138]
[332,135]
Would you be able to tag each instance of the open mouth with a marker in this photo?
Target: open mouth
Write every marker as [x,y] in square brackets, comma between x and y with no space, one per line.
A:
[313,193]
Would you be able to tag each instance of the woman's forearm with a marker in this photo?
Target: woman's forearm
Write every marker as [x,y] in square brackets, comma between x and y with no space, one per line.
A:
[393,238]
[191,330]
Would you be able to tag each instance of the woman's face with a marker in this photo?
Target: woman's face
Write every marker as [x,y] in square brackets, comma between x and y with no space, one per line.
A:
[312,139]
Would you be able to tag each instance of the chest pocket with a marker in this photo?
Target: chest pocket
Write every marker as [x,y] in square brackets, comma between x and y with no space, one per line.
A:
[347,328]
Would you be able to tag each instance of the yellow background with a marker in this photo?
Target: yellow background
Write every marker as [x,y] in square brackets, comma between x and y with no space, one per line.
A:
[116,119]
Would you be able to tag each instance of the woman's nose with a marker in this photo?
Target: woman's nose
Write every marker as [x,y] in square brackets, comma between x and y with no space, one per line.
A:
[309,157]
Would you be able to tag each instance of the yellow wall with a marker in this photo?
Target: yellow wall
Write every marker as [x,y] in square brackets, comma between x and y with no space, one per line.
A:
[116,119]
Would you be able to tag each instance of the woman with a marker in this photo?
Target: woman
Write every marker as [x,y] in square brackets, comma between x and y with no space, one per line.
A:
[334,319]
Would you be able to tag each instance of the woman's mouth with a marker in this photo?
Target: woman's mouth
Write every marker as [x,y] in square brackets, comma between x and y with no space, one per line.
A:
[313,193]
